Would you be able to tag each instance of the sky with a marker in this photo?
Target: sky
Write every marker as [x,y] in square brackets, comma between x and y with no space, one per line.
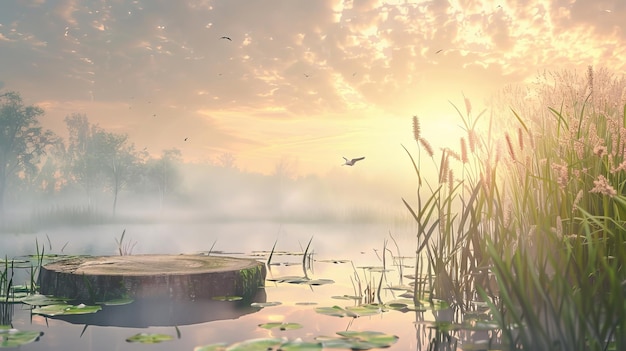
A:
[297,82]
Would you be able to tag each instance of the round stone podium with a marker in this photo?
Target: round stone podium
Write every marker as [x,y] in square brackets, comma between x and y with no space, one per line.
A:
[189,277]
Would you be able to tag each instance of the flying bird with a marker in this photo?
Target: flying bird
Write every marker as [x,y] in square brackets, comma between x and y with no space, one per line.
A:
[352,161]
[227,38]
[438,51]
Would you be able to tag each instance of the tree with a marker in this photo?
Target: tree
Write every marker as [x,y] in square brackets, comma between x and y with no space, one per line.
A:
[99,159]
[164,173]
[22,140]
[81,163]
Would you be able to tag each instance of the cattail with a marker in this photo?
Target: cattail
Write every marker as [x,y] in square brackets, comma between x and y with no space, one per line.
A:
[427,147]
[471,136]
[445,166]
[579,197]
[520,139]
[455,155]
[463,151]
[509,144]
[416,128]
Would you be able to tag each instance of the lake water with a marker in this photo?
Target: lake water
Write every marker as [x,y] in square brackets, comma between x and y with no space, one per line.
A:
[207,322]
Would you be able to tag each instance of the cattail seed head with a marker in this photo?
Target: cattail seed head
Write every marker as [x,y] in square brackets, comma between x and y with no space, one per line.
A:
[463,150]
[427,147]
[416,128]
[509,145]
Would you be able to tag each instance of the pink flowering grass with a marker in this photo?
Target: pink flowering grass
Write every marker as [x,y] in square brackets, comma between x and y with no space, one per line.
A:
[533,225]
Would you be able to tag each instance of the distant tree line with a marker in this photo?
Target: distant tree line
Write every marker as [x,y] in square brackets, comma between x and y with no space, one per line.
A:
[92,161]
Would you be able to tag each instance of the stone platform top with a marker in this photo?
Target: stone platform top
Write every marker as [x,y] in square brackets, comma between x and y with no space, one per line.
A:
[141,265]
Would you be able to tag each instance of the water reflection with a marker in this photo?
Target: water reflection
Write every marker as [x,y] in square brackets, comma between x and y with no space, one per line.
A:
[340,253]
[160,312]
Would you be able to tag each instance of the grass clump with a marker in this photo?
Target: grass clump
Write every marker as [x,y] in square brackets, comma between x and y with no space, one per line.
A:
[528,214]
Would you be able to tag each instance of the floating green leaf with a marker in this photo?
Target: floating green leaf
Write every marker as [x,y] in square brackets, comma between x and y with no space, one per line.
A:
[149,338]
[319,282]
[346,297]
[335,311]
[358,340]
[335,261]
[42,300]
[227,298]
[353,311]
[266,304]
[60,310]
[10,337]
[280,326]
[301,280]
[300,346]
[117,302]
[256,344]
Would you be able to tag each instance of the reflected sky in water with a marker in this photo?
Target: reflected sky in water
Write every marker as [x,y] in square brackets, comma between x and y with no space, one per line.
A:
[360,244]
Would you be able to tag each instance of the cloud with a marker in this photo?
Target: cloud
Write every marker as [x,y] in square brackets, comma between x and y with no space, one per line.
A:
[295,59]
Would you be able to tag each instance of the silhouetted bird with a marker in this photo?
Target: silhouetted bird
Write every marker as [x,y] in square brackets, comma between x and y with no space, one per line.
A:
[186,139]
[352,161]
[438,51]
[227,38]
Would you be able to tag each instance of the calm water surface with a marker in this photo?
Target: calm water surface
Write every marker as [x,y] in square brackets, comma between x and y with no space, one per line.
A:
[210,322]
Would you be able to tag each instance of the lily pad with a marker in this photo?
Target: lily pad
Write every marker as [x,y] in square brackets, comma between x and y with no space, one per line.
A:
[117,302]
[281,326]
[227,298]
[266,304]
[301,280]
[10,337]
[335,261]
[149,338]
[61,310]
[256,344]
[354,311]
[347,297]
[42,300]
[359,340]
[300,346]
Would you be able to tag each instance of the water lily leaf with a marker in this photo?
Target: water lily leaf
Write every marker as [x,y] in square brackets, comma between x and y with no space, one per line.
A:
[256,344]
[358,340]
[14,297]
[281,326]
[364,310]
[59,310]
[319,282]
[346,297]
[42,300]
[364,340]
[117,302]
[149,338]
[266,304]
[227,298]
[335,261]
[334,311]
[289,279]
[300,346]
[10,337]
[306,303]
[212,347]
